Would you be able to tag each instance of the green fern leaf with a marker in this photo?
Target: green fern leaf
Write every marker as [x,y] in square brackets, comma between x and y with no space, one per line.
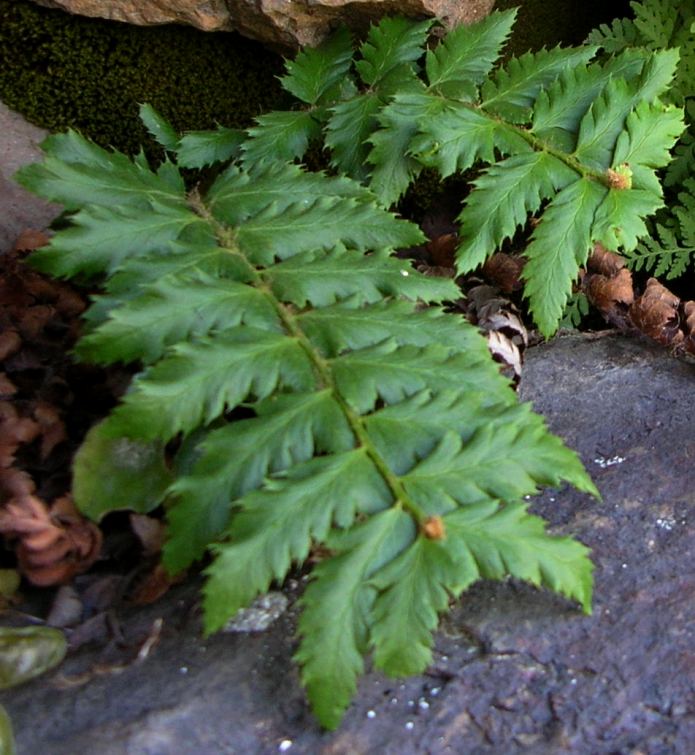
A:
[320,280]
[561,106]
[238,194]
[413,590]
[101,238]
[199,381]
[460,136]
[658,73]
[619,221]
[559,246]
[656,21]
[349,326]
[408,431]
[491,464]
[508,541]
[159,127]
[393,168]
[119,473]
[616,36]
[234,459]
[174,309]
[277,525]
[389,46]
[466,55]
[77,173]
[512,90]
[603,123]
[391,373]
[286,133]
[347,129]
[282,233]
[185,258]
[502,198]
[336,604]
[197,149]
[651,131]
[317,74]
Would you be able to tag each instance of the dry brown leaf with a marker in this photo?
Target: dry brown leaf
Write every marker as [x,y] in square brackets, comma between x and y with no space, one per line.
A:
[504,271]
[155,584]
[506,334]
[655,313]
[442,250]
[15,483]
[30,239]
[14,430]
[53,544]
[10,343]
[604,262]
[689,313]
[7,387]
[52,427]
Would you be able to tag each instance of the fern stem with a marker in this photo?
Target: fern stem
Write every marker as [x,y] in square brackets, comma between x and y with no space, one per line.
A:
[541,146]
[354,419]
[226,240]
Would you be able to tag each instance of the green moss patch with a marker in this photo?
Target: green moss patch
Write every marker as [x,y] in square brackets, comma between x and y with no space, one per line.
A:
[64,71]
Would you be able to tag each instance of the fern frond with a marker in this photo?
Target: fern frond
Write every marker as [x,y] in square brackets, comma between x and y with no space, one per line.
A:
[393,168]
[234,459]
[174,309]
[348,127]
[102,238]
[317,75]
[319,279]
[671,249]
[287,133]
[616,36]
[503,198]
[465,56]
[197,149]
[391,51]
[314,396]
[513,88]
[77,173]
[159,127]
[559,245]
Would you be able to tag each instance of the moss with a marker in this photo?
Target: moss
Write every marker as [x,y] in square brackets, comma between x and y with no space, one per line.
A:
[545,24]
[61,70]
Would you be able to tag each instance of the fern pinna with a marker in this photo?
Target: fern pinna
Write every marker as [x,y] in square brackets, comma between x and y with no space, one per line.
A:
[656,25]
[571,144]
[313,400]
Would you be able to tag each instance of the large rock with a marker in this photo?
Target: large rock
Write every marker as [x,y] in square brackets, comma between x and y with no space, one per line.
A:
[279,23]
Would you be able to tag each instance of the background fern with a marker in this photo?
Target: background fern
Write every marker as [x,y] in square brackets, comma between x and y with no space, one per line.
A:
[575,145]
[659,24]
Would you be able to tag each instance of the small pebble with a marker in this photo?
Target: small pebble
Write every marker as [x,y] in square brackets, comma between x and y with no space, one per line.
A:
[285,745]
[371,714]
[434,691]
[410,726]
[184,669]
